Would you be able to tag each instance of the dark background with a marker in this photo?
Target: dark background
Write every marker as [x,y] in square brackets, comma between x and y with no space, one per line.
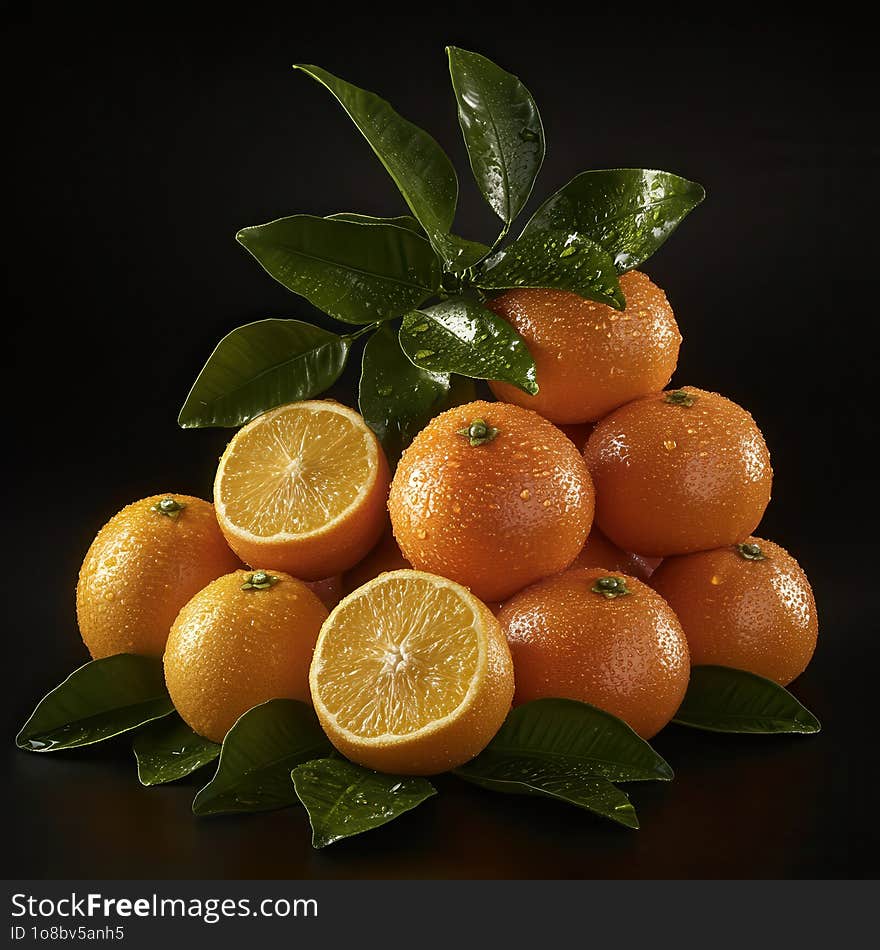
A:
[138,150]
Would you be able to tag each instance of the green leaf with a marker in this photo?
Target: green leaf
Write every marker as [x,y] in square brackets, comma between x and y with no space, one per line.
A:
[168,750]
[98,701]
[502,130]
[397,398]
[257,755]
[357,273]
[461,336]
[420,168]
[459,253]
[566,782]
[628,211]
[400,221]
[343,799]
[262,365]
[720,699]
[564,260]
[563,735]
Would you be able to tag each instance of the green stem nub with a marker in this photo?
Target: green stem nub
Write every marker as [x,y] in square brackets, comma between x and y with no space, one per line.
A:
[479,432]
[169,507]
[260,580]
[610,587]
[680,397]
[751,551]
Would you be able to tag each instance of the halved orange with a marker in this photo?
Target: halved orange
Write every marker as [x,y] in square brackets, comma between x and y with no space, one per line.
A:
[411,674]
[302,489]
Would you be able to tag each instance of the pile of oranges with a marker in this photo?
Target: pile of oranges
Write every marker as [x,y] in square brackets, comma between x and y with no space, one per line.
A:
[591,542]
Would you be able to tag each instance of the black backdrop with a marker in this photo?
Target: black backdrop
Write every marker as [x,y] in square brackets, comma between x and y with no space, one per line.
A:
[138,150]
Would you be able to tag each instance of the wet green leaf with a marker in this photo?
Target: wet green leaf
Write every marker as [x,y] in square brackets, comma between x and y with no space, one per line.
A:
[721,699]
[630,212]
[262,365]
[96,702]
[564,260]
[396,398]
[569,735]
[565,781]
[502,130]
[400,221]
[461,336]
[343,799]
[420,168]
[256,758]
[168,750]
[358,273]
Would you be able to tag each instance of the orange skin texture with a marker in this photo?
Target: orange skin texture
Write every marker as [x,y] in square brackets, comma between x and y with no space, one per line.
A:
[600,552]
[385,556]
[626,655]
[328,552]
[672,479]
[758,616]
[494,517]
[231,649]
[142,567]
[590,358]
[328,591]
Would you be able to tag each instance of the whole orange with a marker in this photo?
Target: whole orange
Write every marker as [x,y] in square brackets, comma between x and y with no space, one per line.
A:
[248,637]
[600,552]
[601,638]
[749,606]
[679,471]
[590,358]
[492,496]
[143,566]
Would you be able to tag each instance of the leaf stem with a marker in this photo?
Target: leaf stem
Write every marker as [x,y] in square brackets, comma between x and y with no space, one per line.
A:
[351,337]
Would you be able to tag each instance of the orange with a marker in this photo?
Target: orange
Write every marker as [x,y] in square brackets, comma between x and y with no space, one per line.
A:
[605,639]
[749,606]
[600,552]
[590,358]
[143,566]
[411,675]
[302,489]
[492,496]
[248,637]
[385,556]
[680,471]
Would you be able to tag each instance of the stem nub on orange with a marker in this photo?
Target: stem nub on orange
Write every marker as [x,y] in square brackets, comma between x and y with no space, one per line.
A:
[143,566]
[248,637]
[601,638]
[748,606]
[492,496]
[302,489]
[590,358]
[679,471]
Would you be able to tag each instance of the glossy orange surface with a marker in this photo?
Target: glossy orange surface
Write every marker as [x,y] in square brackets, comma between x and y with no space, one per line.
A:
[679,473]
[495,516]
[627,655]
[591,358]
[231,649]
[756,615]
[142,567]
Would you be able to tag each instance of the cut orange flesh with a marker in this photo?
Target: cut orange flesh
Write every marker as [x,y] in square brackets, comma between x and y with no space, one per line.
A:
[411,674]
[302,489]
